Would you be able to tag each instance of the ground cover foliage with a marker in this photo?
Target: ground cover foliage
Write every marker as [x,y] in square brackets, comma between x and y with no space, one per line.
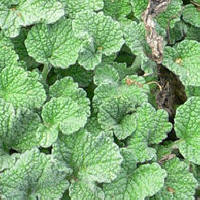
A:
[99,99]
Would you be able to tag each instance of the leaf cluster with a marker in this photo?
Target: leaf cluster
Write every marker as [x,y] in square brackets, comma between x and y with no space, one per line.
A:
[85,113]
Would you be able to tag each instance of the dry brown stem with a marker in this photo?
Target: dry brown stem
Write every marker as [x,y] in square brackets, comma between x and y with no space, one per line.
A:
[154,40]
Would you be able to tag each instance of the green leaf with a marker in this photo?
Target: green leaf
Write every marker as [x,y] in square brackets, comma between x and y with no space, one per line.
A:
[89,57]
[80,75]
[182,60]
[138,7]
[171,15]
[21,50]
[17,88]
[197,1]
[24,131]
[178,32]
[132,87]
[151,128]
[63,114]
[193,33]
[191,15]
[129,163]
[187,128]
[192,91]
[28,12]
[84,191]
[66,88]
[145,181]
[34,175]
[94,127]
[135,39]
[74,6]
[102,32]
[7,120]
[117,9]
[123,70]
[105,73]
[91,158]
[6,160]
[8,56]
[114,115]
[53,44]
[179,183]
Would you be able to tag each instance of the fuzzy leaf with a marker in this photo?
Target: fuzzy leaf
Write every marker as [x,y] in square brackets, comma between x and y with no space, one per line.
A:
[171,15]
[103,33]
[78,73]
[84,191]
[53,44]
[24,131]
[117,9]
[27,12]
[6,160]
[139,7]
[145,181]
[182,60]
[151,128]
[33,175]
[74,6]
[17,88]
[135,39]
[132,88]
[8,56]
[187,129]
[191,15]
[63,114]
[66,88]
[92,158]
[105,74]
[21,50]
[115,115]
[179,183]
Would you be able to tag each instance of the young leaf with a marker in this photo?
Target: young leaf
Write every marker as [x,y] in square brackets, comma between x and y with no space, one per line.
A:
[145,181]
[187,129]
[179,183]
[24,13]
[17,88]
[53,44]
[182,60]
[34,175]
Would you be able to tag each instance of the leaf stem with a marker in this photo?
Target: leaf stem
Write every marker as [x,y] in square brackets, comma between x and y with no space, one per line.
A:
[176,143]
[45,71]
